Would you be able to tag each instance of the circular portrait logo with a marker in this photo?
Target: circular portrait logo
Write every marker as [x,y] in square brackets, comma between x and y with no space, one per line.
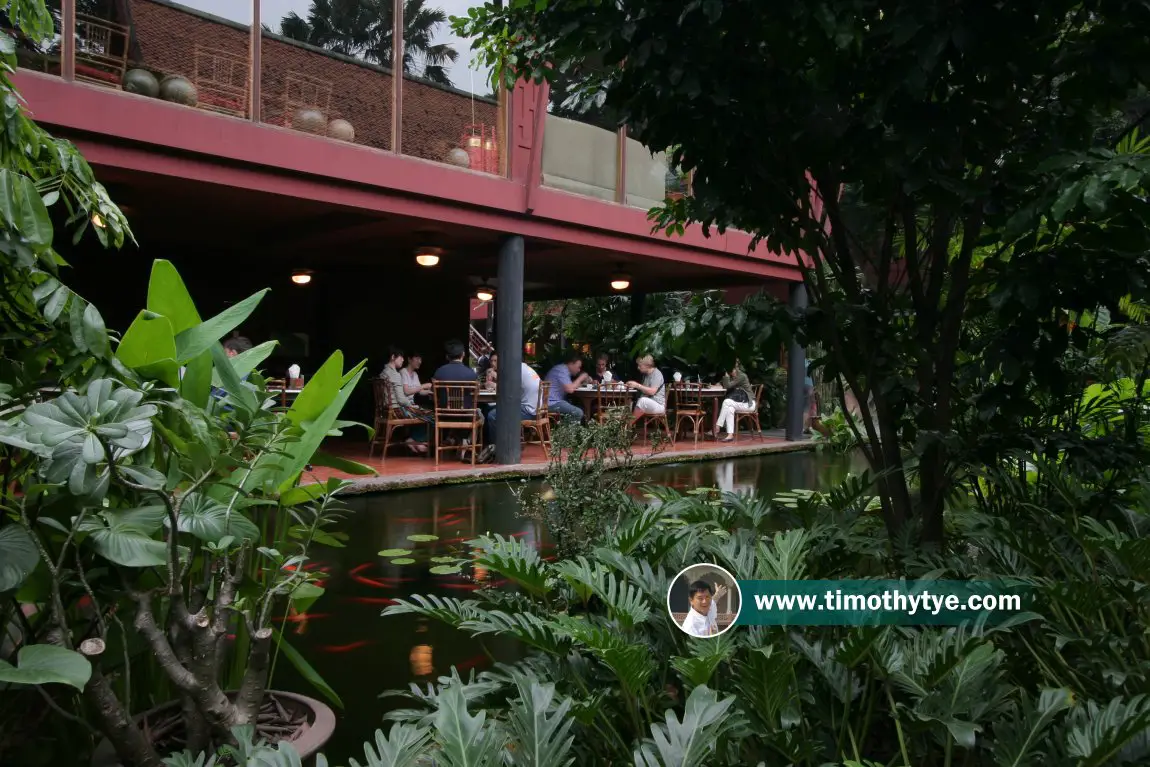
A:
[704,600]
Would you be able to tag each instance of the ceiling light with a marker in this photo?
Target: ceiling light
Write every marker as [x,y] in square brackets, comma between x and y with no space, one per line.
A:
[301,276]
[485,292]
[620,281]
[427,256]
[97,220]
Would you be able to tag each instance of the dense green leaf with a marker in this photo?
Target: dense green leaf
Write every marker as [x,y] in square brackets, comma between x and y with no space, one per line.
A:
[18,556]
[305,669]
[47,664]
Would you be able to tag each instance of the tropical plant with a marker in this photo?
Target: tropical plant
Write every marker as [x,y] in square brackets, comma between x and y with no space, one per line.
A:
[637,690]
[898,230]
[141,491]
[364,28]
[838,434]
[246,750]
[708,335]
[590,470]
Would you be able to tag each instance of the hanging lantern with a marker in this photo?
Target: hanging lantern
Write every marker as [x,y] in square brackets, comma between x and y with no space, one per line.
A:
[482,149]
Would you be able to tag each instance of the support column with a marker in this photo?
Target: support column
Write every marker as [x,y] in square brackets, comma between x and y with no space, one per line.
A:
[509,335]
[796,371]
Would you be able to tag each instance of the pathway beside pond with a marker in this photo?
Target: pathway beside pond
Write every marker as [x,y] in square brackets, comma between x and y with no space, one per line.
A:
[402,471]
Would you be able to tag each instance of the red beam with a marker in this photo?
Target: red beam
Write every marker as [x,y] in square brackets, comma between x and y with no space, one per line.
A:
[177,141]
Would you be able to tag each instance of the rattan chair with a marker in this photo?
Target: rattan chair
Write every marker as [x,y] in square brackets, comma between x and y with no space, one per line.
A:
[388,418]
[611,398]
[659,419]
[541,423]
[689,407]
[456,412]
[751,415]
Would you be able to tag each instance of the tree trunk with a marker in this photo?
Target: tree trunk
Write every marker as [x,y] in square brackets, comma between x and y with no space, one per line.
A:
[128,740]
[251,693]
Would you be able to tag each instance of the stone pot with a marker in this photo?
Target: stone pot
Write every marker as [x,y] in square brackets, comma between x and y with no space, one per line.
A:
[321,725]
[141,81]
[309,120]
[179,90]
[459,157]
[341,129]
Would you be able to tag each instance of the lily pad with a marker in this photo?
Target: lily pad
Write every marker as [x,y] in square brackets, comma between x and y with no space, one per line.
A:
[445,570]
[403,561]
[444,560]
[422,538]
[395,552]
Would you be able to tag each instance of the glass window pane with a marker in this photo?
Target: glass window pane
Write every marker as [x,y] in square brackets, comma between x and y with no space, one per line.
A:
[38,55]
[451,113]
[193,53]
[580,147]
[326,68]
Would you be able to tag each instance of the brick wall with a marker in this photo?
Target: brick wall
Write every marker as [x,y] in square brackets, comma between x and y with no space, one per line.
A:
[434,118]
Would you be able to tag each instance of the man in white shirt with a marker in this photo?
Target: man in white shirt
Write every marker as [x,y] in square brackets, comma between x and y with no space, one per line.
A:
[528,400]
[702,618]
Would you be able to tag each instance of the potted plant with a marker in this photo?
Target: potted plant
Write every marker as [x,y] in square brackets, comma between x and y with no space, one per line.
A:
[163,485]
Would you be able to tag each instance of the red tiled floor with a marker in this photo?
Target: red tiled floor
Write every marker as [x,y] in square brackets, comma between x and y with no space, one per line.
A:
[403,470]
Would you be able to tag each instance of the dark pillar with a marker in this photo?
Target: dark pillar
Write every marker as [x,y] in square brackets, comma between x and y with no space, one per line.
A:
[509,334]
[638,308]
[796,371]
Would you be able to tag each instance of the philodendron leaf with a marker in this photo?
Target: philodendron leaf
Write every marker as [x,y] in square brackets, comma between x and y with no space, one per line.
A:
[463,738]
[18,556]
[47,664]
[405,745]
[692,740]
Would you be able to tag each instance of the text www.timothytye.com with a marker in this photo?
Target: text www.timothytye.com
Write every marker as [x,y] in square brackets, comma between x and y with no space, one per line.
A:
[921,603]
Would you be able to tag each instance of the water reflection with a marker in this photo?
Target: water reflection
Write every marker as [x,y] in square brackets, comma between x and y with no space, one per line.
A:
[361,654]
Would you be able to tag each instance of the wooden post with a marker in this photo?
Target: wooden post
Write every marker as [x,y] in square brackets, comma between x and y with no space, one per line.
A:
[256,38]
[397,76]
[68,40]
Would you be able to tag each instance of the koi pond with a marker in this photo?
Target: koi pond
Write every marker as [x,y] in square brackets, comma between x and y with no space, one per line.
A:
[361,654]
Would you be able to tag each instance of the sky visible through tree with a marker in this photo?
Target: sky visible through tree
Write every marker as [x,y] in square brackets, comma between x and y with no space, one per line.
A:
[271,11]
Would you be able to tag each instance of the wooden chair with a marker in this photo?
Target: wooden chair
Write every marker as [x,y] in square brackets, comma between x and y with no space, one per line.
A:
[660,419]
[752,415]
[280,385]
[610,398]
[388,418]
[689,407]
[541,423]
[101,51]
[456,410]
[222,81]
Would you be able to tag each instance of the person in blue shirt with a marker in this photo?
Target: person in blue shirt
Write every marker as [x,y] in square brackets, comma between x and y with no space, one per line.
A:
[454,371]
[565,378]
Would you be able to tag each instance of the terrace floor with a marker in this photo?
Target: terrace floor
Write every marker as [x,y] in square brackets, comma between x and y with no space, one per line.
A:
[403,471]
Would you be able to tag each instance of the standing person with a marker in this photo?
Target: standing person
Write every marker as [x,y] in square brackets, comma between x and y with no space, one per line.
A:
[810,402]
[565,378]
[529,397]
[602,366]
[652,391]
[740,399]
[401,400]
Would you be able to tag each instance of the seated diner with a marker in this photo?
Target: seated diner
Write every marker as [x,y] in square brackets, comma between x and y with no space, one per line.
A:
[402,401]
[740,399]
[652,391]
[565,378]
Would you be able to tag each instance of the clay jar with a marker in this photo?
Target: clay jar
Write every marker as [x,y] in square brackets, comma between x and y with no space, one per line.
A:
[179,90]
[143,82]
[309,120]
